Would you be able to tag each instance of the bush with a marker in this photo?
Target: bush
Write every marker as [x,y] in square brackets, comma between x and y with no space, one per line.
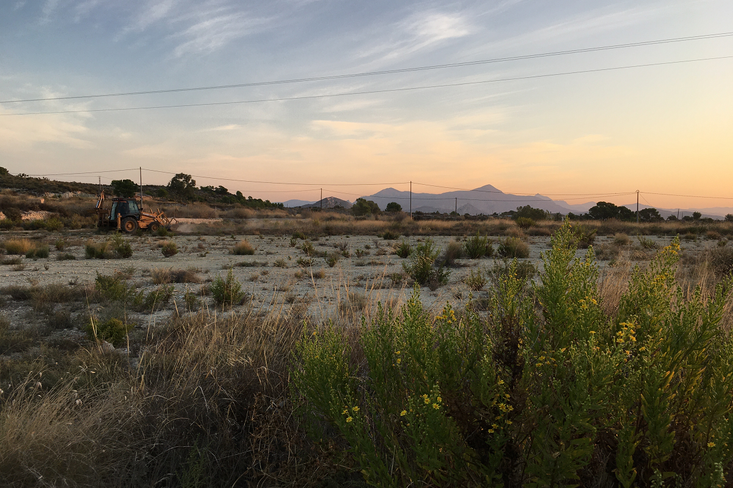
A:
[524,223]
[169,249]
[228,291]
[243,248]
[121,247]
[404,249]
[551,378]
[452,252]
[18,246]
[475,280]
[36,252]
[113,331]
[477,247]
[421,265]
[512,247]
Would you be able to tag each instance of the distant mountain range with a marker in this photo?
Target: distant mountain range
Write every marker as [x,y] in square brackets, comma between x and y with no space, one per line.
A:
[486,200]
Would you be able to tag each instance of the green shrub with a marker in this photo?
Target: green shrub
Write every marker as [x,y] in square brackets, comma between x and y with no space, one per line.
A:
[100,250]
[112,330]
[154,300]
[390,235]
[404,249]
[513,247]
[111,288]
[228,291]
[477,247]
[169,249]
[524,222]
[475,280]
[308,249]
[40,251]
[121,247]
[421,265]
[53,224]
[332,259]
[552,391]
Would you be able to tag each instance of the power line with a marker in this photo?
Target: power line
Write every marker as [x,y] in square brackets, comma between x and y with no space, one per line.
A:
[687,196]
[387,72]
[278,182]
[85,173]
[370,92]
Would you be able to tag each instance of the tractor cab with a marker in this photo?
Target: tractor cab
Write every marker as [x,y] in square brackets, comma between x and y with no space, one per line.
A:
[123,207]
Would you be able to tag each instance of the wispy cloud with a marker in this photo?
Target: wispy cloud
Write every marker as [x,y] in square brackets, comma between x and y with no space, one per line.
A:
[419,31]
[48,10]
[211,29]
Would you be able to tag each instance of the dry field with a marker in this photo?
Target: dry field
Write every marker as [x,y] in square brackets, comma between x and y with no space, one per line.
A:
[342,273]
[191,390]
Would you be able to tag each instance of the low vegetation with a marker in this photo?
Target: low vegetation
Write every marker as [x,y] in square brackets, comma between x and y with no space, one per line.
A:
[560,374]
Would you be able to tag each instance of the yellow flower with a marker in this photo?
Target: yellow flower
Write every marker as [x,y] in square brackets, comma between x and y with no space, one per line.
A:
[711,444]
[397,352]
[436,406]
[491,431]
[344,412]
[427,400]
[593,332]
[440,399]
[348,419]
[355,409]
[399,360]
[403,413]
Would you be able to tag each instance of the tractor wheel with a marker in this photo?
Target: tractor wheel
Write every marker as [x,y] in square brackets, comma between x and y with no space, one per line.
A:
[154,226]
[129,225]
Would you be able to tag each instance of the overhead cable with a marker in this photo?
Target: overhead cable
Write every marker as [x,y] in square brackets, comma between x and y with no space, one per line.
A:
[369,92]
[389,71]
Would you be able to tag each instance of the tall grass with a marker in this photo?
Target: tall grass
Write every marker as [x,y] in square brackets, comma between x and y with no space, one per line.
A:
[551,389]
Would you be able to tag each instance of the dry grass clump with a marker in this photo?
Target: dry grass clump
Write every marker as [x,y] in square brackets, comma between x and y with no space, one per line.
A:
[162,276]
[18,246]
[206,405]
[243,248]
[239,213]
[621,239]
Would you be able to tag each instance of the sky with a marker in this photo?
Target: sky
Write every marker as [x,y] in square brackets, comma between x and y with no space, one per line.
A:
[584,126]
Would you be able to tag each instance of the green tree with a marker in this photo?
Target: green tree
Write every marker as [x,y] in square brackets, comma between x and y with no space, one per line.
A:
[650,215]
[4,171]
[393,207]
[606,210]
[365,207]
[182,186]
[529,212]
[729,218]
[696,215]
[124,188]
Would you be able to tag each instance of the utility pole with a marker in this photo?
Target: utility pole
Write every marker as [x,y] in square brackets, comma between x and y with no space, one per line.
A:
[100,184]
[141,187]
[411,199]
[321,198]
[637,206]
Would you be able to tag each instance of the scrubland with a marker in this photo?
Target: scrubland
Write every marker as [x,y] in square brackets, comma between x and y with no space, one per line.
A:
[320,350]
